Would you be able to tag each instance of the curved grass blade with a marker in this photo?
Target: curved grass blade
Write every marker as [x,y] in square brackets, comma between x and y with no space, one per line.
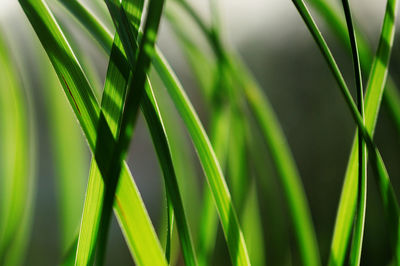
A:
[153,118]
[215,178]
[129,207]
[355,251]
[17,165]
[205,74]
[376,82]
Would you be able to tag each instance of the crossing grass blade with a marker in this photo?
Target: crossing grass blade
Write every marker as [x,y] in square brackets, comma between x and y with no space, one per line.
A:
[215,178]
[156,128]
[153,118]
[131,213]
[372,103]
[161,149]
[135,90]
[358,235]
[17,165]
[390,95]
[376,82]
[208,159]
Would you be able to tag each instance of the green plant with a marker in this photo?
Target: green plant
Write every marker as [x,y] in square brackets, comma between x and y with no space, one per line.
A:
[228,152]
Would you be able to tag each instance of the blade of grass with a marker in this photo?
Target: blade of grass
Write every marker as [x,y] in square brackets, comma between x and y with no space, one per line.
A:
[205,73]
[355,251]
[215,178]
[129,206]
[17,152]
[376,81]
[153,117]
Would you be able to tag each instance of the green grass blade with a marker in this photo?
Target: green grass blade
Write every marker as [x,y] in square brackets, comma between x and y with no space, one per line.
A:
[129,206]
[17,164]
[376,82]
[153,117]
[355,251]
[215,178]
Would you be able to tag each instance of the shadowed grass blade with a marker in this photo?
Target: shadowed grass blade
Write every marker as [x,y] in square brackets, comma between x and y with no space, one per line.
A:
[134,93]
[129,206]
[153,118]
[355,251]
[215,178]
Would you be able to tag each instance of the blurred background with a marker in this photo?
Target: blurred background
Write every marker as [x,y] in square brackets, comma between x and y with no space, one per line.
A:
[271,38]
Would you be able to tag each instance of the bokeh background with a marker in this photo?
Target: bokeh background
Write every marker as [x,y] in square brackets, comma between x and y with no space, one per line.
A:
[275,44]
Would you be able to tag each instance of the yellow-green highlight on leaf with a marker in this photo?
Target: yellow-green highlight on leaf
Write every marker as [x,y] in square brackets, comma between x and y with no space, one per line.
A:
[129,206]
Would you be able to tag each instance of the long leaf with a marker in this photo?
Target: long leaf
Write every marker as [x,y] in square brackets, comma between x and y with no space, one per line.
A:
[128,205]
[355,252]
